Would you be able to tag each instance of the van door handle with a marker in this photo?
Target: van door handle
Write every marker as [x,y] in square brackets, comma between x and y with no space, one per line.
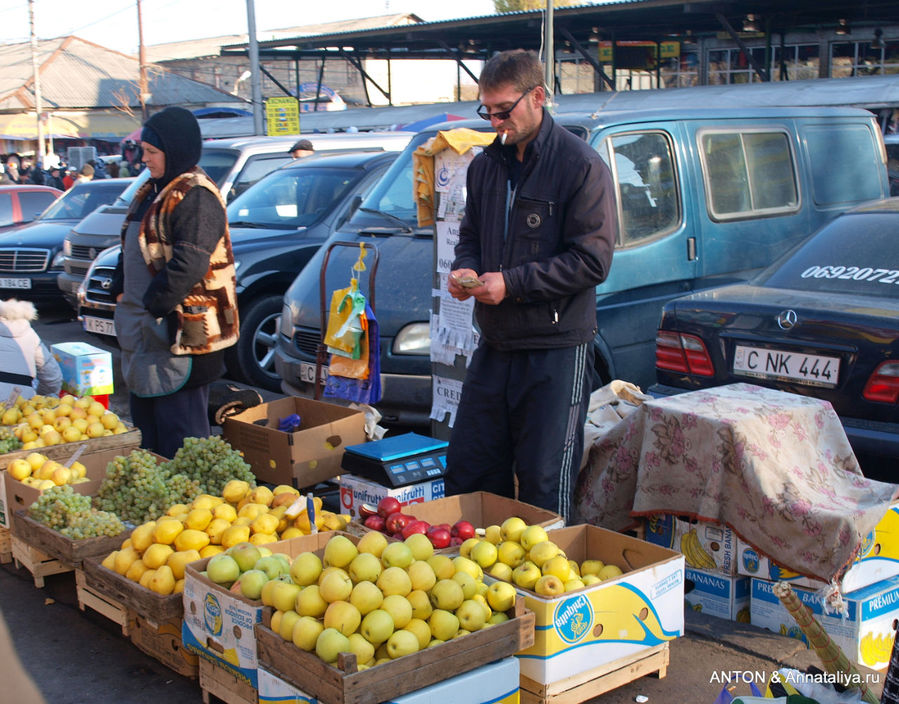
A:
[691,249]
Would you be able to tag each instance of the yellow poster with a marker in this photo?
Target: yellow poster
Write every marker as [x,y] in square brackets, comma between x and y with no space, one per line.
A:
[282,116]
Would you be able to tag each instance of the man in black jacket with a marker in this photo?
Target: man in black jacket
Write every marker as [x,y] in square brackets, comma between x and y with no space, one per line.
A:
[538,234]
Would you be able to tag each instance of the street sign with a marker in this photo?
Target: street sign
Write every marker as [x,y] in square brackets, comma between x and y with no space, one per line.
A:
[282,116]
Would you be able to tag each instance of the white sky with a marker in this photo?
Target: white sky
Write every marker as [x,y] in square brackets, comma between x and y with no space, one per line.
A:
[113,23]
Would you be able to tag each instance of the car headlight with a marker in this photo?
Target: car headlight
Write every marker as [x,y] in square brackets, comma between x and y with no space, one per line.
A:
[414,338]
[58,260]
[286,323]
[67,247]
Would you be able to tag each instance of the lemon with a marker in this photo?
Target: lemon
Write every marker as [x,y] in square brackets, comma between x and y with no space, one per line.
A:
[191,539]
[156,555]
[167,529]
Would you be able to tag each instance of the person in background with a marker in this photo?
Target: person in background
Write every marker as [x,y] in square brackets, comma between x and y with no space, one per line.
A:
[124,169]
[69,179]
[175,287]
[302,148]
[25,361]
[537,237]
[112,168]
[86,174]
[99,168]
[53,180]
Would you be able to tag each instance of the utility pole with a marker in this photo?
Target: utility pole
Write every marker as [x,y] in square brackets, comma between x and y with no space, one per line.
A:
[142,60]
[256,77]
[549,68]
[37,86]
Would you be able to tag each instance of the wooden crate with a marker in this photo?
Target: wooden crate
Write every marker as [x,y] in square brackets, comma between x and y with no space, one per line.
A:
[144,602]
[587,685]
[111,609]
[345,684]
[163,642]
[124,442]
[5,546]
[60,547]
[219,683]
[39,564]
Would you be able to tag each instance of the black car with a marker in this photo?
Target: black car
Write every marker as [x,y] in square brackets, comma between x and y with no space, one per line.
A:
[276,227]
[29,255]
[822,322]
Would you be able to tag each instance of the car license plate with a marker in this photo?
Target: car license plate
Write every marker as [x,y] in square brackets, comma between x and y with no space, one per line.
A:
[307,373]
[811,369]
[101,326]
[15,283]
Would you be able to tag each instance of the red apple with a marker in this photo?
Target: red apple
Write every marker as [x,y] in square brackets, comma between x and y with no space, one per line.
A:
[462,529]
[415,527]
[366,510]
[456,541]
[439,536]
[375,523]
[396,522]
[388,505]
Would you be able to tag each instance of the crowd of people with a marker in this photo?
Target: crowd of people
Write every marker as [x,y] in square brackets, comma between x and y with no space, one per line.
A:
[55,172]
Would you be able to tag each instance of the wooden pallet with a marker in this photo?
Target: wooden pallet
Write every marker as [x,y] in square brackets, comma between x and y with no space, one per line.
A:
[163,642]
[101,603]
[5,545]
[65,549]
[39,564]
[587,685]
[221,684]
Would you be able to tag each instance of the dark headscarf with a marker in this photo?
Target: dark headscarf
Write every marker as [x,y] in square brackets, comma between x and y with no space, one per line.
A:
[176,132]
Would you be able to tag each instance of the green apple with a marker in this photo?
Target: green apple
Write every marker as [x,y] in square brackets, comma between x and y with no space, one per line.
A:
[402,642]
[397,555]
[330,644]
[251,583]
[245,554]
[376,626]
[222,569]
[272,566]
[306,631]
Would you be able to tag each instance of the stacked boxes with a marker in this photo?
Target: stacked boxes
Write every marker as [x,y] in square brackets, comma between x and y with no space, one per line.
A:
[355,491]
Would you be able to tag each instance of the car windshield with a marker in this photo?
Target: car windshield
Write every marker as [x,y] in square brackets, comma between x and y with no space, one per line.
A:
[217,163]
[856,253]
[82,199]
[291,198]
[126,196]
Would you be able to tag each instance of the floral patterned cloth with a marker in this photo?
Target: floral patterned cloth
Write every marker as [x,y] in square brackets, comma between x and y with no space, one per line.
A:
[776,467]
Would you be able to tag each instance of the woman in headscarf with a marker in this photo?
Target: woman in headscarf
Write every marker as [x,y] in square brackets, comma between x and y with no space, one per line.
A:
[175,286]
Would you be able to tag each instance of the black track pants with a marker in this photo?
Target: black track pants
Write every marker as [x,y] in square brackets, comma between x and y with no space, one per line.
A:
[522,412]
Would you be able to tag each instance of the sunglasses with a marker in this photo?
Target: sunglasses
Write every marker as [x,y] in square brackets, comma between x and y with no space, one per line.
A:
[502,114]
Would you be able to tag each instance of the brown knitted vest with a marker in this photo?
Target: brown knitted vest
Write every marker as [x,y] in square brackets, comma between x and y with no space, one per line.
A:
[207,317]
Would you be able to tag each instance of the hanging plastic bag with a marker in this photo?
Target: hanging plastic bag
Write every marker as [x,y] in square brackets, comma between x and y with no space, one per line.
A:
[344,329]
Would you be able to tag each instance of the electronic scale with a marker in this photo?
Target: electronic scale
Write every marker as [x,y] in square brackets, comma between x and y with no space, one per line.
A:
[397,461]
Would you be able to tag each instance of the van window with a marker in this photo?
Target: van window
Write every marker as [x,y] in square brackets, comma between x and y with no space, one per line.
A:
[845,163]
[255,168]
[748,174]
[644,174]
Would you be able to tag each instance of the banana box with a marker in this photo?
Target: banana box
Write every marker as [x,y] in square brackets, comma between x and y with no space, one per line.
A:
[877,559]
[496,683]
[865,634]
[715,594]
[705,545]
[86,370]
[584,629]
[355,491]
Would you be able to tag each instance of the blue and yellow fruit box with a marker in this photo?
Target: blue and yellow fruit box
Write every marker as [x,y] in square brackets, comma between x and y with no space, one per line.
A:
[715,594]
[878,559]
[86,370]
[865,633]
[582,630]
[706,545]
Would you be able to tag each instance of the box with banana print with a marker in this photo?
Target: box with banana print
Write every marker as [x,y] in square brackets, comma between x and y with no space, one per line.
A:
[716,594]
[705,546]
[878,558]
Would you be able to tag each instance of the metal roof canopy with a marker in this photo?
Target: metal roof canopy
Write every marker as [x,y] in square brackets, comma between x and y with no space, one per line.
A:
[477,38]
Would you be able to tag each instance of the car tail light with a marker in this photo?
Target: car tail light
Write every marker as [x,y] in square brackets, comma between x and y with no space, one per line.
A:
[884,383]
[678,352]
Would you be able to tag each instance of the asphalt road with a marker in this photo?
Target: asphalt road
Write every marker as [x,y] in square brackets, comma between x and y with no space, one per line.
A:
[77,657]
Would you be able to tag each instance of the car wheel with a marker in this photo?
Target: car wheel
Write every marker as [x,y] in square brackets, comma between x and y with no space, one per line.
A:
[252,359]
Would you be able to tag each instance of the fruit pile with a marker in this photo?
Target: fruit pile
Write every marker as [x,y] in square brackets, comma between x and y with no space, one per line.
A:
[42,473]
[71,514]
[382,600]
[523,554]
[8,441]
[138,488]
[388,518]
[49,420]
[157,550]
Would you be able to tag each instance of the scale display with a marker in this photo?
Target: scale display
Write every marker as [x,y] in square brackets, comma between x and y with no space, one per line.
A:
[397,461]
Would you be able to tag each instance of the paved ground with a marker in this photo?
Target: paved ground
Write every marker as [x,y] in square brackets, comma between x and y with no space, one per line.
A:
[77,657]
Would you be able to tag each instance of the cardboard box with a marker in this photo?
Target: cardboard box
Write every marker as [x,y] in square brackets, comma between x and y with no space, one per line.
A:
[273,689]
[866,633]
[482,509]
[716,594]
[218,625]
[86,370]
[355,491]
[877,559]
[303,458]
[21,496]
[581,630]
[714,542]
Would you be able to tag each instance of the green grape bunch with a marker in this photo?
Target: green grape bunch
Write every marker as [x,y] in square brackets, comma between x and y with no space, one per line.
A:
[70,513]
[212,462]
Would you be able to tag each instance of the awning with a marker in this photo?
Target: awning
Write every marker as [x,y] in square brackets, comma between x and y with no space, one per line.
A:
[85,124]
